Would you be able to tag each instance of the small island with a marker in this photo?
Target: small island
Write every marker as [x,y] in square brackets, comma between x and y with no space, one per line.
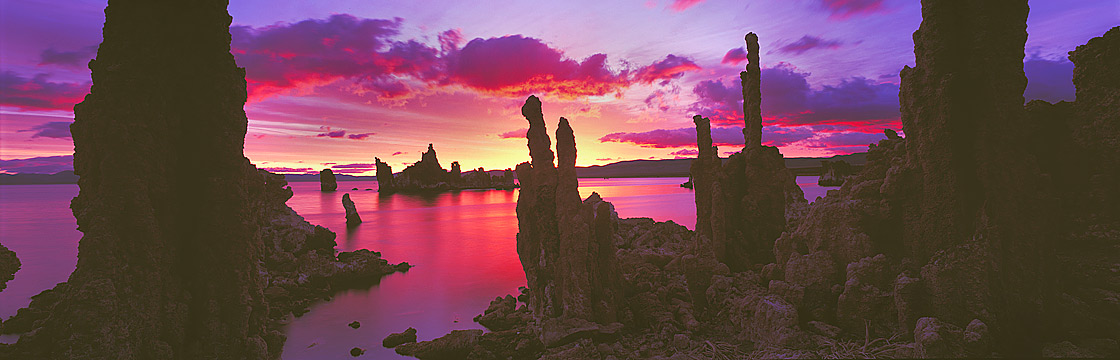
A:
[427,175]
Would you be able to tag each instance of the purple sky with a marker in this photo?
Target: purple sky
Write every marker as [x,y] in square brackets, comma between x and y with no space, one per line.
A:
[344,81]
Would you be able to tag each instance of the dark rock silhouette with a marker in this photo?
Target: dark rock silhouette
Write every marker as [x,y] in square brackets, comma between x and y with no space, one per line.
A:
[752,93]
[9,265]
[396,339]
[352,218]
[833,173]
[384,175]
[197,256]
[741,204]
[427,175]
[327,180]
[565,244]
[990,230]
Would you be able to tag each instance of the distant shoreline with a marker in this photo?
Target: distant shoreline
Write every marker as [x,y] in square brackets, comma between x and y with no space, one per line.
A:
[622,169]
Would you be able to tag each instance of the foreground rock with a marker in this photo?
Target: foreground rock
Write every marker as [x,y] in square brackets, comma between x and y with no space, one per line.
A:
[197,256]
[9,265]
[327,181]
[833,173]
[456,345]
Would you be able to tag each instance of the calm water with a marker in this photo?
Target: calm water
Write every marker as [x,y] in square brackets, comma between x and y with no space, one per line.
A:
[462,244]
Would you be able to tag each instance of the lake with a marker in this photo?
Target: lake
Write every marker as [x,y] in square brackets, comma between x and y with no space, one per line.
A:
[462,244]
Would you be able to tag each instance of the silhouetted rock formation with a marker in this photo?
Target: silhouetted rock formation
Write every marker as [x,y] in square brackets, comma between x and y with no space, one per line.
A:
[197,256]
[352,218]
[327,181]
[9,265]
[565,245]
[428,176]
[852,276]
[384,176]
[741,204]
[752,93]
[833,173]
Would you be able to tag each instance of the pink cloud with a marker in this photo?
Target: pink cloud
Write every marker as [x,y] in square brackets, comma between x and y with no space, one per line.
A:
[671,67]
[313,53]
[513,134]
[353,166]
[734,56]
[361,136]
[398,153]
[39,93]
[681,5]
[788,100]
[287,170]
[806,43]
[843,9]
[826,137]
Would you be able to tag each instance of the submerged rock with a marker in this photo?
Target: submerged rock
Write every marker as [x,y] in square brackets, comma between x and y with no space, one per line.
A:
[327,181]
[352,218]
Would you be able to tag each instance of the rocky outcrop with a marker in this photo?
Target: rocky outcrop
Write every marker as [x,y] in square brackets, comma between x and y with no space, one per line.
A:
[566,245]
[352,218]
[427,175]
[422,176]
[9,265]
[197,256]
[455,345]
[396,339]
[327,181]
[384,176]
[741,204]
[833,173]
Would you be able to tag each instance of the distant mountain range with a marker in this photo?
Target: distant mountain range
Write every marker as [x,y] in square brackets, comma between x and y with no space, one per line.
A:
[62,177]
[630,168]
[680,167]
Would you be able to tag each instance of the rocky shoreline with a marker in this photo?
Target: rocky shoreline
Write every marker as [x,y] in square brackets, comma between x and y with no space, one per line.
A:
[922,253]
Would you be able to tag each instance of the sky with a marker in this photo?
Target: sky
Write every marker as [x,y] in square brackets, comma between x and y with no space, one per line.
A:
[334,84]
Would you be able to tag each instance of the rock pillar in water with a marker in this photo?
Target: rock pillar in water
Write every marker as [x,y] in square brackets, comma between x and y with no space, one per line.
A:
[976,215]
[384,176]
[327,181]
[352,218]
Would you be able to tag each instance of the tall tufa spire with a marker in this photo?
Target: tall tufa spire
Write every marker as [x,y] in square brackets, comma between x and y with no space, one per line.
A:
[752,94]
